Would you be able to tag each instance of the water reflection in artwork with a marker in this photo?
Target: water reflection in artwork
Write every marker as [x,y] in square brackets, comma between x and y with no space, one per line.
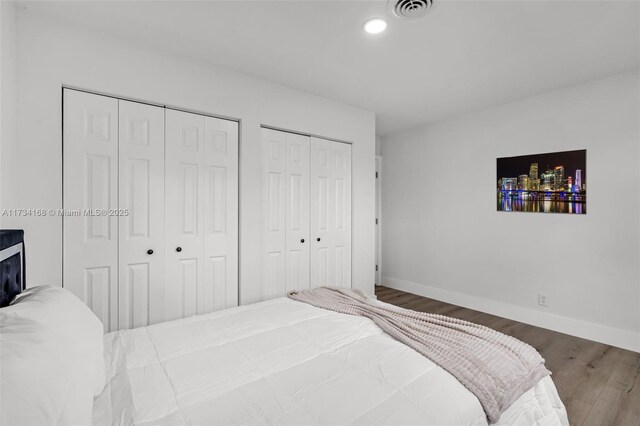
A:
[540,206]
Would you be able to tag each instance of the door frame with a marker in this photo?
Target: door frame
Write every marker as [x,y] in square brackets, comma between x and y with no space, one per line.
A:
[378,279]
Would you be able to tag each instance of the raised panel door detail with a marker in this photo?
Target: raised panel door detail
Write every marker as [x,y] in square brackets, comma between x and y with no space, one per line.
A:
[97,126]
[138,131]
[339,280]
[97,294]
[216,276]
[136,288]
[98,194]
[215,214]
[296,153]
[188,287]
[323,203]
[188,188]
[139,198]
[323,266]
[190,137]
[217,142]
[275,281]
[295,200]
[323,158]
[274,203]
[276,150]
[339,160]
[339,204]
[295,270]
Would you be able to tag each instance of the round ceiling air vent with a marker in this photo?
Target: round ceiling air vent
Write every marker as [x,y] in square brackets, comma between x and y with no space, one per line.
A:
[410,9]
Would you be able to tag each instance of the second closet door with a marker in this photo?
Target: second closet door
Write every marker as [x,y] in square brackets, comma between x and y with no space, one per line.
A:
[307,213]
[286,197]
[201,214]
[330,213]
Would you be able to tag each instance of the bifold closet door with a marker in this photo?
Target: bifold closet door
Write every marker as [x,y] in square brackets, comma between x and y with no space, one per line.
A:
[141,229]
[201,214]
[286,212]
[90,186]
[154,196]
[330,213]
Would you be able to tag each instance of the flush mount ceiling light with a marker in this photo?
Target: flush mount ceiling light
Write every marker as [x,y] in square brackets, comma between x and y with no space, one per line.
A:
[375,25]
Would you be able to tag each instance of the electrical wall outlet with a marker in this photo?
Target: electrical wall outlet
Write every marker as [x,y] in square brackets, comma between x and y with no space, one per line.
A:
[543,299]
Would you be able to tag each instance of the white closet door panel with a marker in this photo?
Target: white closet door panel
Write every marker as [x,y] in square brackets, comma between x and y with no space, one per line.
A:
[90,186]
[184,209]
[220,205]
[342,211]
[274,196]
[297,211]
[330,213]
[321,264]
[141,192]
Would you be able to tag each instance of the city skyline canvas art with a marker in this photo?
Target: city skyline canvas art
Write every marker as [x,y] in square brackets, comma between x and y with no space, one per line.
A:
[553,182]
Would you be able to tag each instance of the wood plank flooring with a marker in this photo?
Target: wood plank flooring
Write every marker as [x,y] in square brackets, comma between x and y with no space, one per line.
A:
[599,384]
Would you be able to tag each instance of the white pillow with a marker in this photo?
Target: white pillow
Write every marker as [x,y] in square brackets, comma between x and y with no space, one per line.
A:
[51,358]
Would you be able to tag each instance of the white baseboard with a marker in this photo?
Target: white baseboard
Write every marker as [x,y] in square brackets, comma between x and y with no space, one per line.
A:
[599,333]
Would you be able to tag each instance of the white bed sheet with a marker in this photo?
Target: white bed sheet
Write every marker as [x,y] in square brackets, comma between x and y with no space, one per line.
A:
[288,363]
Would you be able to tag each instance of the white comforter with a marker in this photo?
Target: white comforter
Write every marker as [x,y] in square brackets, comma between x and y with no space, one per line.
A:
[285,362]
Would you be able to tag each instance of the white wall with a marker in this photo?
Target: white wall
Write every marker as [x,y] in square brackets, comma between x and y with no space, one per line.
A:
[7,99]
[51,54]
[443,238]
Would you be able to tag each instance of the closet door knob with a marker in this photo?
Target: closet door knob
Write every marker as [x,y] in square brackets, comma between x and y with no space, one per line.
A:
[318,238]
[302,240]
[178,249]
[149,251]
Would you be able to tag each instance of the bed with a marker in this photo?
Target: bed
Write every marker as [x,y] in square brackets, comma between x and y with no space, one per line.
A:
[276,362]
[285,362]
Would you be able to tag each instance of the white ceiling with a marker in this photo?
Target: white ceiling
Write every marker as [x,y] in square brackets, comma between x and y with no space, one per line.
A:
[463,56]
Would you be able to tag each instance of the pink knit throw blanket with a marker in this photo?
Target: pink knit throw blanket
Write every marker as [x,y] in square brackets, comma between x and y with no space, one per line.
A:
[495,367]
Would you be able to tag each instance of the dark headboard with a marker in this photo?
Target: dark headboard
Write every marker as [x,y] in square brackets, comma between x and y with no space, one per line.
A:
[12,265]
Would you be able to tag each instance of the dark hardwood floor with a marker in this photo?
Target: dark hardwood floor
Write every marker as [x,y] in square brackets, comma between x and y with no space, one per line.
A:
[599,384]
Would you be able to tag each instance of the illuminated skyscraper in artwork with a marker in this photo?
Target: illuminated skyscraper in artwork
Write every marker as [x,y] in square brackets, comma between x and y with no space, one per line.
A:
[535,185]
[509,184]
[558,178]
[547,181]
[533,171]
[578,180]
